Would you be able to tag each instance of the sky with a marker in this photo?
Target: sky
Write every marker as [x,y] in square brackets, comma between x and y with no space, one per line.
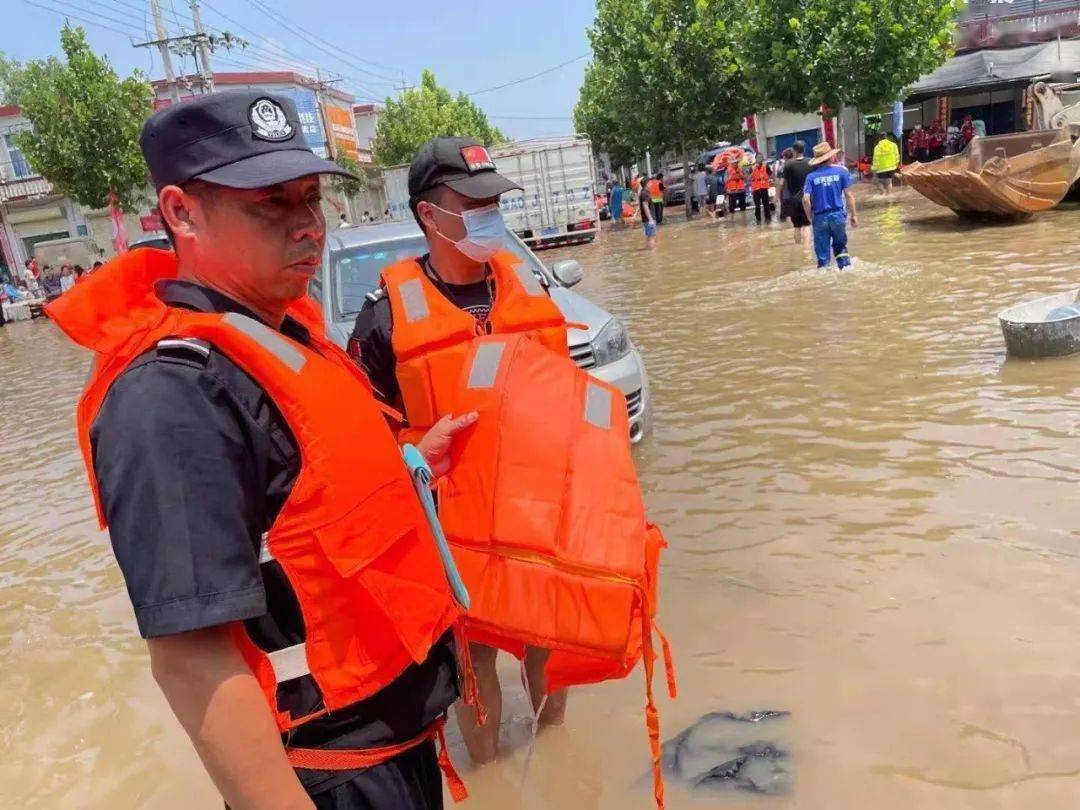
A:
[470,45]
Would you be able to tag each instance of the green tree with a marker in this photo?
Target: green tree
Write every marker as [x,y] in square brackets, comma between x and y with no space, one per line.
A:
[665,75]
[425,112]
[11,74]
[859,53]
[86,123]
[347,186]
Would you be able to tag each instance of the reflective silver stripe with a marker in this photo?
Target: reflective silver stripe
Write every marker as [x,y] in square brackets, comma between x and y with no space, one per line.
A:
[289,663]
[268,339]
[485,364]
[265,555]
[414,300]
[185,343]
[528,280]
[597,406]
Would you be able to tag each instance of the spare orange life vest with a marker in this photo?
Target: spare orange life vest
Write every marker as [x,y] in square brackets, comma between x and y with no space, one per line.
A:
[655,191]
[431,335]
[759,178]
[735,180]
[544,515]
[356,548]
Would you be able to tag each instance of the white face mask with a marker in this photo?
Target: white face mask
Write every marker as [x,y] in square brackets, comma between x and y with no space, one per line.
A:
[485,232]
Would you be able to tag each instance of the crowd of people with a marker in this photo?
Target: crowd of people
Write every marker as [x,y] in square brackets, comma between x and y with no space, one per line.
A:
[38,283]
[813,193]
[936,141]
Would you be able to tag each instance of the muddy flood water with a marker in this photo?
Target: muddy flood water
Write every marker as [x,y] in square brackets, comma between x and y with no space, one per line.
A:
[873,519]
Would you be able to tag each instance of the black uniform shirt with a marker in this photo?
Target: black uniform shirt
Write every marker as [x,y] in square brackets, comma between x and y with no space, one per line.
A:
[194,462]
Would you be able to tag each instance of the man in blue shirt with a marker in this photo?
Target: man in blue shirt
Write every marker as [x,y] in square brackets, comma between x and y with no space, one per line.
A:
[828,202]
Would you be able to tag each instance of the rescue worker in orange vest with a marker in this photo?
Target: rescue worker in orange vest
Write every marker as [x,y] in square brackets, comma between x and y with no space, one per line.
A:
[412,333]
[760,182]
[736,186]
[656,194]
[297,615]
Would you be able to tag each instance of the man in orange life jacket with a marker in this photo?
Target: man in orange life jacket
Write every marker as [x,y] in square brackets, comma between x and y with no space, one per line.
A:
[407,330]
[760,182]
[276,555]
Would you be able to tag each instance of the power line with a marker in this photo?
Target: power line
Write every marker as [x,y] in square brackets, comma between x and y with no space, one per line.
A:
[336,47]
[530,78]
[95,12]
[128,8]
[261,57]
[276,52]
[76,17]
[327,47]
[176,18]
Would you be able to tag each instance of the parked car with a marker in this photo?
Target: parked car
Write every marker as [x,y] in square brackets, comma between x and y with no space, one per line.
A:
[157,239]
[354,258]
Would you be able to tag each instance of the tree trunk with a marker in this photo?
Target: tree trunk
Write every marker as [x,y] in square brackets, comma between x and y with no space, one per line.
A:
[688,184]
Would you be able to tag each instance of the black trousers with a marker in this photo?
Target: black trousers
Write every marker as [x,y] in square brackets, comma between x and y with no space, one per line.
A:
[738,198]
[658,211]
[410,781]
[761,200]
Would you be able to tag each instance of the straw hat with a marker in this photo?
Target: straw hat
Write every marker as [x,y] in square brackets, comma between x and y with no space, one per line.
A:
[822,152]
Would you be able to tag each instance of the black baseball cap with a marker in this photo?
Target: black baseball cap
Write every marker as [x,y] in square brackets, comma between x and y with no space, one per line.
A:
[458,163]
[237,138]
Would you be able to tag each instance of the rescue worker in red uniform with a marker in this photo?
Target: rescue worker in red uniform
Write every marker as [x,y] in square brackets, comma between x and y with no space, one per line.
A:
[412,334]
[919,144]
[276,554]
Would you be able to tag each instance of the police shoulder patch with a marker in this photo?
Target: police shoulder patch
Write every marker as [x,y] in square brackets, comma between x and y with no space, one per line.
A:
[187,349]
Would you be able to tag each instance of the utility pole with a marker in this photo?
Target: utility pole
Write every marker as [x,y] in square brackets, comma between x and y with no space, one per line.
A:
[331,147]
[163,49]
[205,70]
[320,85]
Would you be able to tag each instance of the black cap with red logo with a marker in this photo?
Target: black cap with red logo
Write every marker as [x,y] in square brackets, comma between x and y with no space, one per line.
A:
[460,164]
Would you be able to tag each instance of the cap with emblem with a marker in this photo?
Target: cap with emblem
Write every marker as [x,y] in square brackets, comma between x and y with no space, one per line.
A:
[460,164]
[238,138]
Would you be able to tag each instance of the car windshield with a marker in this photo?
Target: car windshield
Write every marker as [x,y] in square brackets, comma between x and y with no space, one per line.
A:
[355,271]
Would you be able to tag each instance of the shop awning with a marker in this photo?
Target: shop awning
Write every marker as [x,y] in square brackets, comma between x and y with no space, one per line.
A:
[997,68]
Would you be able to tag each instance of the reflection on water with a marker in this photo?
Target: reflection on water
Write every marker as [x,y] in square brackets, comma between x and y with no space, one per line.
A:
[872,518]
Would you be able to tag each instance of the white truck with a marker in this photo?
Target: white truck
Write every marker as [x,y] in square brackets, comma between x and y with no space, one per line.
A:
[558,204]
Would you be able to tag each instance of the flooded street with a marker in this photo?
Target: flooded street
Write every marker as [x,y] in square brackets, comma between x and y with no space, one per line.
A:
[872,517]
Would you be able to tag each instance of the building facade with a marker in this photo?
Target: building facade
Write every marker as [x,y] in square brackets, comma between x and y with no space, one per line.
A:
[32,211]
[366,120]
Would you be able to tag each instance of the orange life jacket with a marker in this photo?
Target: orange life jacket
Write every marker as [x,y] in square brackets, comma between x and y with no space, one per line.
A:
[735,180]
[759,178]
[654,190]
[357,549]
[544,515]
[431,335]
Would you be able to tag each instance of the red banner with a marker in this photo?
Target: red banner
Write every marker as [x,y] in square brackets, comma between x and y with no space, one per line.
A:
[828,131]
[120,240]
[151,222]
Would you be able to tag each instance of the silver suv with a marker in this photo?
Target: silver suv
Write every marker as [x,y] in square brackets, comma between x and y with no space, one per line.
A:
[354,258]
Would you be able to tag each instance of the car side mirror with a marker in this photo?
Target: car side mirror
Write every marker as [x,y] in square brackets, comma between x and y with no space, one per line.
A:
[567,272]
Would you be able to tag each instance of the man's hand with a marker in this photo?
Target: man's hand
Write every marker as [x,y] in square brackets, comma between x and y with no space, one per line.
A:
[854,221]
[436,444]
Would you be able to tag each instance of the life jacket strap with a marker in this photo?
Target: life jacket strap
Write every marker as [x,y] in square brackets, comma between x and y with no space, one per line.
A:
[470,690]
[320,759]
[652,716]
[669,664]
